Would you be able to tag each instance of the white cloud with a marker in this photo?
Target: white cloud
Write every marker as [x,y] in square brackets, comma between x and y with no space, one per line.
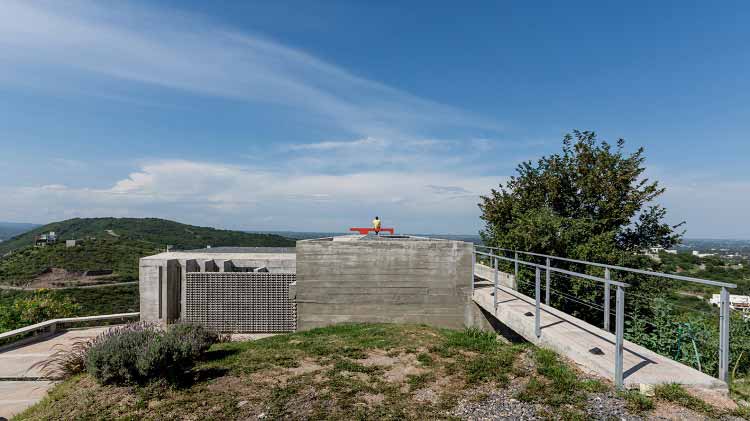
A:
[367,142]
[226,195]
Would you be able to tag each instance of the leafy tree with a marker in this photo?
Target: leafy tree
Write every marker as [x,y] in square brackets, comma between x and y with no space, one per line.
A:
[589,202]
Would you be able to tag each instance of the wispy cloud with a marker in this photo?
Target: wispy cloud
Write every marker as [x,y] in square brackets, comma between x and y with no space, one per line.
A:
[400,155]
[186,53]
[367,142]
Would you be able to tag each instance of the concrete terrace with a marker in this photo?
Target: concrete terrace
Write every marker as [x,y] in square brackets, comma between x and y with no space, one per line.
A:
[574,339]
[22,384]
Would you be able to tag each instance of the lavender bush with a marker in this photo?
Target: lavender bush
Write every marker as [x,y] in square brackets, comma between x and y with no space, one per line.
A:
[141,352]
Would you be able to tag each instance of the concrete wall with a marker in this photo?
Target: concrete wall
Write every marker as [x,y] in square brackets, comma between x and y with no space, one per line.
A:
[383,280]
[159,285]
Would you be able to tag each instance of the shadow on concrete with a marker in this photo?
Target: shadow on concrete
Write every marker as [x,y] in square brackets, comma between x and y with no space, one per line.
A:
[500,328]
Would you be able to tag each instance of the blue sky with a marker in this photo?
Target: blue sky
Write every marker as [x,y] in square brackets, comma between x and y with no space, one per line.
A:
[302,116]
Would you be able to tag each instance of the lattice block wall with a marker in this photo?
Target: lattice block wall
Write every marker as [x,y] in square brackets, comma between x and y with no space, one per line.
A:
[241,302]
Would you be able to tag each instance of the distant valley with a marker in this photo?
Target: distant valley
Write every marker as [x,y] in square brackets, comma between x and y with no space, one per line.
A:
[11,229]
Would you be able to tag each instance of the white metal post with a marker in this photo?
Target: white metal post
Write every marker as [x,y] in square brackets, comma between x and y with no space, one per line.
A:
[607,299]
[516,269]
[547,286]
[538,314]
[724,315]
[497,281]
[619,331]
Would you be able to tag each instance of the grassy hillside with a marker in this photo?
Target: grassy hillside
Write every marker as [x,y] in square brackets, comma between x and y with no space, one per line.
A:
[360,372]
[112,244]
[118,255]
[12,229]
[159,232]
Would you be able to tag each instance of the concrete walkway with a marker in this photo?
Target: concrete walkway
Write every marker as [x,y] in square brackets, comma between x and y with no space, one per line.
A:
[22,385]
[574,339]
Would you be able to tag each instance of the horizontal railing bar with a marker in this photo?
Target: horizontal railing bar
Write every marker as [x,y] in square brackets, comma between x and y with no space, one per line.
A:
[624,269]
[52,322]
[511,259]
[554,269]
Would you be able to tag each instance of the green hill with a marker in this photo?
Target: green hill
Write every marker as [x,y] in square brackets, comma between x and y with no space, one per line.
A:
[159,232]
[113,244]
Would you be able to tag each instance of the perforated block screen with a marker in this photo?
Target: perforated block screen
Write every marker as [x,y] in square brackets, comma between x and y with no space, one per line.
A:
[240,302]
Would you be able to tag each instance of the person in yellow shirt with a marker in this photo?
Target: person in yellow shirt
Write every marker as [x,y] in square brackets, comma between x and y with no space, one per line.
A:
[376,225]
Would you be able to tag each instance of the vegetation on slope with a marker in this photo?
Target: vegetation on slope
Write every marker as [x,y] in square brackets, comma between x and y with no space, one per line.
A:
[358,372]
[710,267]
[33,309]
[89,301]
[119,255]
[159,232]
[113,244]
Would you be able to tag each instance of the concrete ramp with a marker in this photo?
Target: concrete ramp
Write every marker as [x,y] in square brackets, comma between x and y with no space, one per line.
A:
[575,339]
[22,384]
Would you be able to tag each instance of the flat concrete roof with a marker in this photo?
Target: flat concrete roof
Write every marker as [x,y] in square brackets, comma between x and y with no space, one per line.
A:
[221,250]
[373,237]
[239,253]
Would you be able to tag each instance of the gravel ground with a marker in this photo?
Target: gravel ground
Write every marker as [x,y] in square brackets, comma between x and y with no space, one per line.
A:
[607,406]
[501,405]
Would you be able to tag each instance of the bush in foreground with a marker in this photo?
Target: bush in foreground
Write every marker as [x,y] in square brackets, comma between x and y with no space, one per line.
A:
[141,352]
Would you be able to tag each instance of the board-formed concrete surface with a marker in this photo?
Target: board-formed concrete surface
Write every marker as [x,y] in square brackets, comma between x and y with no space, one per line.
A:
[574,339]
[20,383]
[397,279]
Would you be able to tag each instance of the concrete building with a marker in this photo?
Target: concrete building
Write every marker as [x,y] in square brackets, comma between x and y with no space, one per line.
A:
[355,278]
[177,285]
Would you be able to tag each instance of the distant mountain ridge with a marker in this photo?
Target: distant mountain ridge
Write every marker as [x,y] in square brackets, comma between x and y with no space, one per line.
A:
[11,229]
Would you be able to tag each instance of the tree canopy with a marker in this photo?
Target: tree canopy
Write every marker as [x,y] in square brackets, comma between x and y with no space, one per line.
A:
[591,202]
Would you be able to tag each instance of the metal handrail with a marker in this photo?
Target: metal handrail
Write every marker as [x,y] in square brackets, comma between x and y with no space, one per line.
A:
[558,270]
[724,313]
[622,268]
[52,324]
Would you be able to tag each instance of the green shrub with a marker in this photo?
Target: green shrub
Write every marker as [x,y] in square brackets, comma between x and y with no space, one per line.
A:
[140,352]
[35,309]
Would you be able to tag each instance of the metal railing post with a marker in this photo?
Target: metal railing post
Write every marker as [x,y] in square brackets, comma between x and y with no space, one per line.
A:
[516,270]
[497,281]
[724,335]
[607,299]
[538,313]
[473,268]
[547,287]
[619,331]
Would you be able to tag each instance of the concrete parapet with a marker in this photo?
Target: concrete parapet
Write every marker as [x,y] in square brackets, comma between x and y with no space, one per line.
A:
[487,273]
